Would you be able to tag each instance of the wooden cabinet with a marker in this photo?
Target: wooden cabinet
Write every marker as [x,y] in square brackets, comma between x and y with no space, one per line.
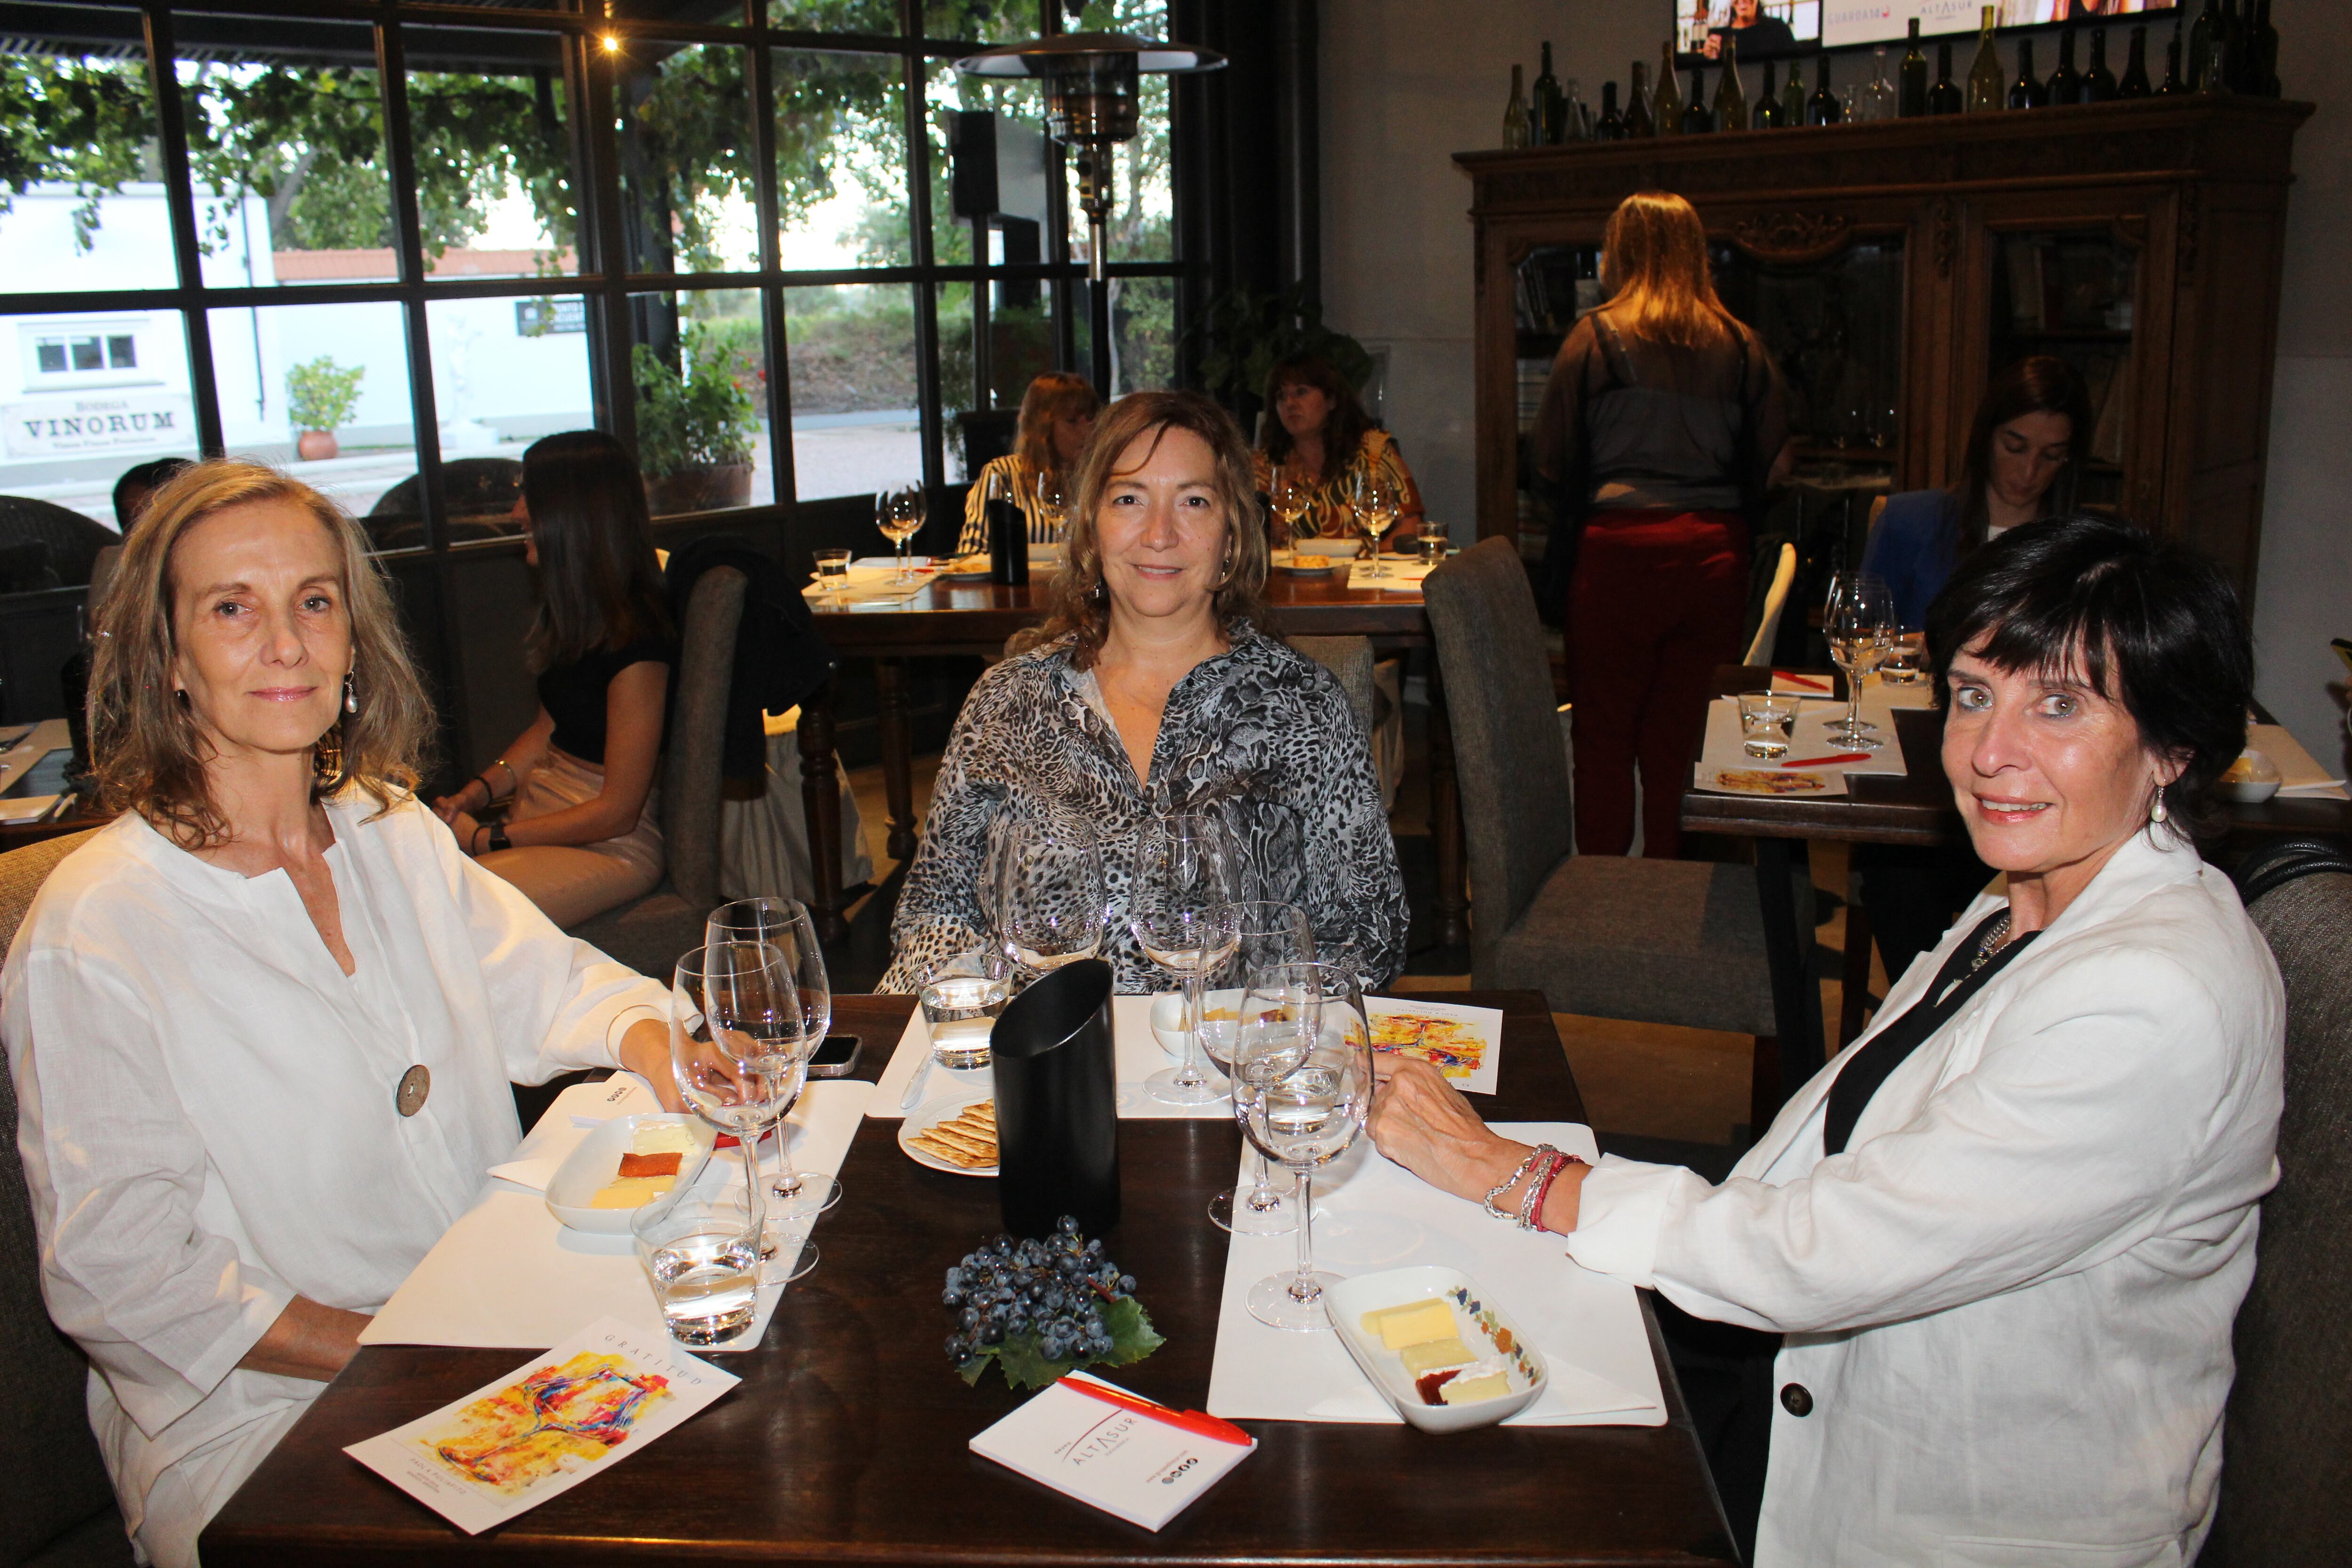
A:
[1895,267]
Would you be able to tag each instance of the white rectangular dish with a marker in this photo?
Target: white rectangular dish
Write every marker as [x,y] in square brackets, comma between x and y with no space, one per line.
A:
[598,1156]
[1477,1323]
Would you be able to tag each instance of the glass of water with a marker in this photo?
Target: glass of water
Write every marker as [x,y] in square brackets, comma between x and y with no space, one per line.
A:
[960,1002]
[1269,933]
[701,1252]
[1905,663]
[832,571]
[1764,720]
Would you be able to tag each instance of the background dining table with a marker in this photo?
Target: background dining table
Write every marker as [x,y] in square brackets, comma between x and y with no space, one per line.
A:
[847,1438]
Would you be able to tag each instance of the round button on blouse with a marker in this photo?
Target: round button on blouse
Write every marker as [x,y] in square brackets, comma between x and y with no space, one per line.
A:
[1797,1399]
[416,1084]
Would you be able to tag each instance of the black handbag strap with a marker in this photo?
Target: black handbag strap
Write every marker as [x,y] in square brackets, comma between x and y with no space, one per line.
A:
[1876,1062]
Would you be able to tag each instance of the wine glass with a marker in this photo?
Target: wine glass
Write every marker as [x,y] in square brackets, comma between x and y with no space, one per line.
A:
[785,925]
[1049,893]
[899,515]
[1266,935]
[1181,914]
[1053,503]
[1291,497]
[1860,624]
[1376,506]
[1302,1089]
[735,1053]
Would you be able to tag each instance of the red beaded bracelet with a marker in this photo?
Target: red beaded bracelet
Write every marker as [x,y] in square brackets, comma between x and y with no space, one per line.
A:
[1533,1218]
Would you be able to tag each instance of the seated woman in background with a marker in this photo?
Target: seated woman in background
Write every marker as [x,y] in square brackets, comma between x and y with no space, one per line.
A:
[262,1025]
[1316,430]
[1151,691]
[1057,414]
[2006,1231]
[581,837]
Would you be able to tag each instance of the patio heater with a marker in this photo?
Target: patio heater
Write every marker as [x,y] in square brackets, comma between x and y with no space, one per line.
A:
[1092,104]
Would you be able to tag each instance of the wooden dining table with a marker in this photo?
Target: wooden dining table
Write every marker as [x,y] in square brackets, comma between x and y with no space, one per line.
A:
[974,618]
[846,1439]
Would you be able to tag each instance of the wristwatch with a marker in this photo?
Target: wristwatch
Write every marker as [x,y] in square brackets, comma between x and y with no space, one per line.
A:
[499,840]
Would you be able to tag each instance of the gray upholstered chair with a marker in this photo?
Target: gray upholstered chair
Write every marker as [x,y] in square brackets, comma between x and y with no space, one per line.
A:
[2286,1444]
[56,1507]
[1656,941]
[649,934]
[1350,661]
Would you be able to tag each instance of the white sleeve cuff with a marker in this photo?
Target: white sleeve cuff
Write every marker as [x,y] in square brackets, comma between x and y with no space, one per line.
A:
[633,1014]
[1620,1211]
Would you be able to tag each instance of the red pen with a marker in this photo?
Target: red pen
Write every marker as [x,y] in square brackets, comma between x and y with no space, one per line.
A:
[1824,762]
[1190,1420]
[1809,682]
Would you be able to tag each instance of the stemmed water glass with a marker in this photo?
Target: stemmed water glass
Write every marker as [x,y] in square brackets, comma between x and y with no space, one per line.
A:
[1302,1089]
[1049,893]
[1181,914]
[1290,498]
[736,1054]
[1376,506]
[1266,935]
[899,515]
[785,925]
[1859,621]
[1052,501]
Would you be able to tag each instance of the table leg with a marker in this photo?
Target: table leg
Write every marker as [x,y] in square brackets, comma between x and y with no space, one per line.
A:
[821,806]
[1445,820]
[1796,1000]
[897,755]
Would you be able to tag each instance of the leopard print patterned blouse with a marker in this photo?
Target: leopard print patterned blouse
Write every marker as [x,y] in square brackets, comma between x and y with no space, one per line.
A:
[1261,736]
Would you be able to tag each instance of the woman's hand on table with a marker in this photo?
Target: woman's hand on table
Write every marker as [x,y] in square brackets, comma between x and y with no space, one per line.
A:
[645,1051]
[1424,1124]
[464,826]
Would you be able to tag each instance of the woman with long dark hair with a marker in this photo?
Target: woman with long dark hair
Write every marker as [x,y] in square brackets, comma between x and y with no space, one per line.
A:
[1661,426]
[2025,453]
[1316,429]
[1058,416]
[581,837]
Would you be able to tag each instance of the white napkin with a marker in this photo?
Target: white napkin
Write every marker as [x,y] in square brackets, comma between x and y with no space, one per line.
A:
[1138,1055]
[577,1111]
[508,1275]
[1372,1216]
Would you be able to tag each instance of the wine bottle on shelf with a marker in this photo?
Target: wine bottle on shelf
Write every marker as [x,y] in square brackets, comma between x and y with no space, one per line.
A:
[1878,97]
[1730,97]
[1697,120]
[1823,107]
[1514,113]
[1767,103]
[1793,99]
[1611,127]
[1987,89]
[1666,108]
[1639,123]
[2263,51]
[2065,83]
[1576,124]
[1544,103]
[2027,93]
[1944,98]
[2201,48]
[2173,85]
[2135,79]
[2229,48]
[1911,94]
[2099,82]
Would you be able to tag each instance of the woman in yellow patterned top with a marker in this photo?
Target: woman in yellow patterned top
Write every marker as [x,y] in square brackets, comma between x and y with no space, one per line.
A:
[1057,414]
[1316,429]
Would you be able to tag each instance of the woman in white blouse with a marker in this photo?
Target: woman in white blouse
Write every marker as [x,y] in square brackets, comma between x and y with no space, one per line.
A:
[1992,1252]
[262,1025]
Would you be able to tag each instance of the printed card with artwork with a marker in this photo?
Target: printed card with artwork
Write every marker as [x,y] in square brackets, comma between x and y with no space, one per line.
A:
[1465,1044]
[545,1427]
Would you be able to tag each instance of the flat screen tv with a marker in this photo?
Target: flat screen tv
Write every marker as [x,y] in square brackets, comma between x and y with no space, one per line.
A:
[1770,30]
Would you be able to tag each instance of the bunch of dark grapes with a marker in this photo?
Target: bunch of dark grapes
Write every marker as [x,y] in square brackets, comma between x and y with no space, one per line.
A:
[1056,1288]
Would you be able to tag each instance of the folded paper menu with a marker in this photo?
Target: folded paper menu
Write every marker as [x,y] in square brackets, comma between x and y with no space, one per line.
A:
[553,1421]
[1139,1466]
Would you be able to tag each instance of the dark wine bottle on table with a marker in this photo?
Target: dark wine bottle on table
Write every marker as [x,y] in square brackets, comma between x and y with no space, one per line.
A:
[1824,107]
[2099,82]
[1544,103]
[1911,92]
[1697,120]
[2174,85]
[1612,125]
[2027,93]
[1944,98]
[1767,103]
[2065,83]
[1639,122]
[2135,83]
[1730,97]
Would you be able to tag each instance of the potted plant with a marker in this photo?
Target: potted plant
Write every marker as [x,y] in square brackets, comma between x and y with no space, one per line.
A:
[1243,334]
[694,431]
[320,398]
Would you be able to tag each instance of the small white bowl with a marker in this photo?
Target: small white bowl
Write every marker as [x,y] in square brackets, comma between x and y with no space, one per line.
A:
[1486,1330]
[2251,779]
[1168,1017]
[592,1163]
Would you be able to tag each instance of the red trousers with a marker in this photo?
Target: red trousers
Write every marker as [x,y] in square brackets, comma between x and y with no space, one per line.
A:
[1657,602]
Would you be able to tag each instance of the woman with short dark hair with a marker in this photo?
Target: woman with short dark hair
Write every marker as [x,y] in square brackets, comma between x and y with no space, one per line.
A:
[1316,429]
[1968,1299]
[583,834]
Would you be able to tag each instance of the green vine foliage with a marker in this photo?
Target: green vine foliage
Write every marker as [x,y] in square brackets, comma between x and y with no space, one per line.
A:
[711,415]
[1244,333]
[321,394]
[87,123]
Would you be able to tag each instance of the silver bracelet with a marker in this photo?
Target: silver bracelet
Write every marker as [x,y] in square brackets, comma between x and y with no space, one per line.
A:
[1499,1188]
[1537,1181]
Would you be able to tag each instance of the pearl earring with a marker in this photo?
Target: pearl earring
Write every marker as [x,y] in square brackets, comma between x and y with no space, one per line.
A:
[350,697]
[2156,814]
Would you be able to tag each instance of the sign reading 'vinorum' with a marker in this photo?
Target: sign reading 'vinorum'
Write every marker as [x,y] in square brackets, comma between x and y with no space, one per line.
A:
[125,422]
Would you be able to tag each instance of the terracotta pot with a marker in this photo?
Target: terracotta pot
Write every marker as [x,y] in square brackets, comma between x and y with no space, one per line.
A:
[705,487]
[315,446]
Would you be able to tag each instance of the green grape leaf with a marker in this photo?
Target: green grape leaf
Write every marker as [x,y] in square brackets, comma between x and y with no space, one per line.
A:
[1132,1337]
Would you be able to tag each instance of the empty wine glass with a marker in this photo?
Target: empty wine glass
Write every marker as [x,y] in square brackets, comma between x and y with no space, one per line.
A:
[1302,1089]
[1181,914]
[1376,506]
[1049,892]
[1860,624]
[1290,497]
[1266,935]
[784,924]
[899,515]
[735,1053]
[1053,503]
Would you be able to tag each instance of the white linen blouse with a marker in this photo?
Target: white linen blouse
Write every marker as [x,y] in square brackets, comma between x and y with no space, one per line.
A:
[207,1116]
[2009,1298]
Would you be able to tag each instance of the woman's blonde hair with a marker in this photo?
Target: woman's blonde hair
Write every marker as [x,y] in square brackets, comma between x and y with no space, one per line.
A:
[1077,601]
[1057,394]
[145,747]
[1653,261]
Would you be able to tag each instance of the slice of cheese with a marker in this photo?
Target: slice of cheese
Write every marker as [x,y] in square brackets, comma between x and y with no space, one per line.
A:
[1415,1323]
[631,1191]
[661,1138]
[1431,1354]
[1470,1390]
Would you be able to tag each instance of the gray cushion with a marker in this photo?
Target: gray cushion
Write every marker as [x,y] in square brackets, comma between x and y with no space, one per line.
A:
[2288,1443]
[649,934]
[1656,941]
[1350,660]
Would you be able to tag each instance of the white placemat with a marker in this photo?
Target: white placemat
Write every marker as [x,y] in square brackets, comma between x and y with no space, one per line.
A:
[1372,1216]
[1398,574]
[1808,737]
[2300,772]
[1139,1057]
[507,1275]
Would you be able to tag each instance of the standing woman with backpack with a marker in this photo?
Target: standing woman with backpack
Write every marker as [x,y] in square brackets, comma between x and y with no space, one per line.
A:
[1661,426]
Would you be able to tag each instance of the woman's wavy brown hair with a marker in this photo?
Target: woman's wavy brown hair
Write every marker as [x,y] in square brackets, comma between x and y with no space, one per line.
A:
[1654,263]
[145,747]
[1057,394]
[1078,604]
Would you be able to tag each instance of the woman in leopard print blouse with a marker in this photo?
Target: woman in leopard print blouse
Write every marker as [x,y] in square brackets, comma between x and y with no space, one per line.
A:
[1150,691]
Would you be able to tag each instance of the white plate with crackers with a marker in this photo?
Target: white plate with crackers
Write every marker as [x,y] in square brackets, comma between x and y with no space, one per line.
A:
[957,1135]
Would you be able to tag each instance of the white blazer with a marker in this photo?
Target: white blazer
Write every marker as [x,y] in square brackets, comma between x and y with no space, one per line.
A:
[2009,1299]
